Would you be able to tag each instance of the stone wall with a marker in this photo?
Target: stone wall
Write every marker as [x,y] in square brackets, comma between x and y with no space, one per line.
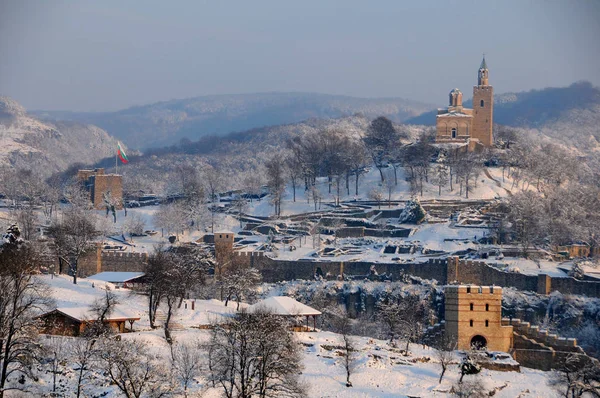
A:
[100,261]
[445,271]
[480,273]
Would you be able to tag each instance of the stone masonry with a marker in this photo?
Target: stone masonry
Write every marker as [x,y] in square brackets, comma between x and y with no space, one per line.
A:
[474,318]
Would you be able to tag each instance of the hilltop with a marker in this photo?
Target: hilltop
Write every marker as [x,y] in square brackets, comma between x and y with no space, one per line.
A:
[49,146]
[571,113]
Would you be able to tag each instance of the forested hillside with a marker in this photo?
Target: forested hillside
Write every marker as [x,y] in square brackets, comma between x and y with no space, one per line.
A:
[164,123]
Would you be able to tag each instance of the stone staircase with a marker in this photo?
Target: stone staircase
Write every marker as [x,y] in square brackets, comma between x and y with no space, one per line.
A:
[160,319]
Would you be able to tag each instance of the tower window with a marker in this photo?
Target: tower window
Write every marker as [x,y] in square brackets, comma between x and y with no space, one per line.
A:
[481,103]
[471,305]
[471,323]
[487,307]
[468,289]
[487,323]
[453,132]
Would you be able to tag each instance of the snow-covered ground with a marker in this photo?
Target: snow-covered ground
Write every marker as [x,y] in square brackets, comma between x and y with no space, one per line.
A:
[380,370]
[487,188]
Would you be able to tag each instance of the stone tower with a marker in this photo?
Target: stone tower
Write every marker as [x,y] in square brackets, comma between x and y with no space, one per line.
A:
[474,318]
[483,107]
[223,247]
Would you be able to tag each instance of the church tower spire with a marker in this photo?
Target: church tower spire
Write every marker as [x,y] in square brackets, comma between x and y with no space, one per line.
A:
[483,74]
[483,107]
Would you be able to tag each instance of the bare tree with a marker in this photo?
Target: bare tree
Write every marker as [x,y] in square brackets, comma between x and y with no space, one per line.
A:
[376,195]
[358,161]
[58,354]
[348,346]
[390,187]
[381,137]
[578,376]
[134,225]
[239,282]
[186,364]
[172,273]
[102,308]
[172,218]
[276,181]
[83,356]
[214,183]
[131,367]
[239,205]
[74,234]
[255,355]
[22,298]
[444,352]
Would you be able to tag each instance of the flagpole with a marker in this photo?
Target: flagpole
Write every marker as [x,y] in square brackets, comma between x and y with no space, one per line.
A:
[116,163]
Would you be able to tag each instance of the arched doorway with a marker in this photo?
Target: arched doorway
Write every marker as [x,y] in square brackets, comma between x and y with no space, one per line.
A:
[478,342]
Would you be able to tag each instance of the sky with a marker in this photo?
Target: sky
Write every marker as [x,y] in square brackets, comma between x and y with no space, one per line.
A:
[107,55]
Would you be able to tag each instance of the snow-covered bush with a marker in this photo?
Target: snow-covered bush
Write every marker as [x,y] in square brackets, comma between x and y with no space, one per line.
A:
[413,213]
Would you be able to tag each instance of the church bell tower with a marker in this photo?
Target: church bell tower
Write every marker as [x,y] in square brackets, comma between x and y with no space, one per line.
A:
[483,107]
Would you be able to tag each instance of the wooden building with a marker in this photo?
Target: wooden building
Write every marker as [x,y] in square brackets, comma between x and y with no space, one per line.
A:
[73,321]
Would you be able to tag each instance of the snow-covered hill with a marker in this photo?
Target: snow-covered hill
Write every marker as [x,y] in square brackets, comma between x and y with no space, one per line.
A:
[48,146]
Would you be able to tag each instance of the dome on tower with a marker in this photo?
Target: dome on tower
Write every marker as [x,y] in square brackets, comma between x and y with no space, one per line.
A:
[455,97]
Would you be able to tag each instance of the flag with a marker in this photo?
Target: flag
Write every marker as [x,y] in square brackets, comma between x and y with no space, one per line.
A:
[121,154]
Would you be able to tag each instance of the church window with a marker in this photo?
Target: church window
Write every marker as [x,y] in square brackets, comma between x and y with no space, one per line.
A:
[471,305]
[468,289]
[487,307]
[481,103]
[453,132]
[487,323]
[471,323]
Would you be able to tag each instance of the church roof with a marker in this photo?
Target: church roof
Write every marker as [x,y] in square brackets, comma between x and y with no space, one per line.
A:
[454,114]
[483,64]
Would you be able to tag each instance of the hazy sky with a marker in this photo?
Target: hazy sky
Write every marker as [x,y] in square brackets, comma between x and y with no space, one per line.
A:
[107,55]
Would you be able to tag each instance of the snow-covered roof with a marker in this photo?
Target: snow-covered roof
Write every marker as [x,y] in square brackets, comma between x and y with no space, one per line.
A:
[282,305]
[84,314]
[454,114]
[116,277]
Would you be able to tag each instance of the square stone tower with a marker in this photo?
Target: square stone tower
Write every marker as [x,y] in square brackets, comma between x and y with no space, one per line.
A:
[223,247]
[474,318]
[99,184]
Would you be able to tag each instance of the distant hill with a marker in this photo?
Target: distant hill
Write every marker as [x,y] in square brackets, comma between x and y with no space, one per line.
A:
[165,123]
[569,113]
[48,147]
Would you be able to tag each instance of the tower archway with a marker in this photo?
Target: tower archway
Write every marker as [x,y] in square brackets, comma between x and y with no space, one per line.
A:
[478,342]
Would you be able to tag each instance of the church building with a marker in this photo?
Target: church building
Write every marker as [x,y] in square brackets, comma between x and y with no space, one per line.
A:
[457,124]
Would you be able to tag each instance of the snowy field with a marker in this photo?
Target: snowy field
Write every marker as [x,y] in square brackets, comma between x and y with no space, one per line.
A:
[380,370]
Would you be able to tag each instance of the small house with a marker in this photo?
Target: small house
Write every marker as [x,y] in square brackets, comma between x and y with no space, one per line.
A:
[72,321]
[287,307]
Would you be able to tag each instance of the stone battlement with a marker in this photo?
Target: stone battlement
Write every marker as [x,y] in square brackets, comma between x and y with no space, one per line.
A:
[250,254]
[123,255]
[474,290]
[542,336]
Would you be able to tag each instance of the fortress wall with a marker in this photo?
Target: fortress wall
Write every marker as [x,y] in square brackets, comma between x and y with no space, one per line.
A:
[99,261]
[479,273]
